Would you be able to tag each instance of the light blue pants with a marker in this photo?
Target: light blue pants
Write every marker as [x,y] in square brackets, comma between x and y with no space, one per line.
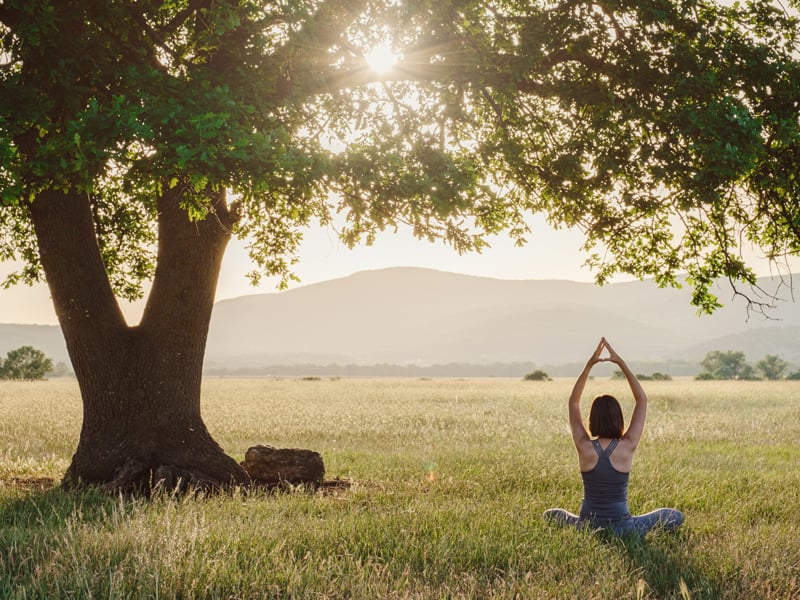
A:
[665,519]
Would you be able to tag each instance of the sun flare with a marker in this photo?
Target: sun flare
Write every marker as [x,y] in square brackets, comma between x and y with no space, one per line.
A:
[381,59]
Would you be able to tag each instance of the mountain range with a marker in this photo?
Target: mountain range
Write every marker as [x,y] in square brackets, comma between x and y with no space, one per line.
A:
[415,316]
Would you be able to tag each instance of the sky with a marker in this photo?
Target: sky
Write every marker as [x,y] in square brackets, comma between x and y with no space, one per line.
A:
[549,254]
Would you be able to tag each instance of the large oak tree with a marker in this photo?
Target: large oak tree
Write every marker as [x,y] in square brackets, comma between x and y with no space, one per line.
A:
[137,137]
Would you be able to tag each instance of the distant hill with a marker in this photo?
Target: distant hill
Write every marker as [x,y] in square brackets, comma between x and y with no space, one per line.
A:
[413,316]
[421,316]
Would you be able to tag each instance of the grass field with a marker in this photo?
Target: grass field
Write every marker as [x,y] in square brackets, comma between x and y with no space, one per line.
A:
[449,480]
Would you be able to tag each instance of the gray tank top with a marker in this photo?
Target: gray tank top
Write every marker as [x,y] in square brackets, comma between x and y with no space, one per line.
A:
[605,490]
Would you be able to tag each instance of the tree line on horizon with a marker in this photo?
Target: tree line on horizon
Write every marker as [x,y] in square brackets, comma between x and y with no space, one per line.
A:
[29,363]
[717,365]
[732,364]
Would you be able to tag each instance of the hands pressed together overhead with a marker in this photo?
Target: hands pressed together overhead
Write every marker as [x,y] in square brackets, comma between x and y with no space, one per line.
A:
[579,433]
[611,357]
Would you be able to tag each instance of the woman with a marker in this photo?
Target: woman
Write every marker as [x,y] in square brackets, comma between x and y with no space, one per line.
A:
[605,456]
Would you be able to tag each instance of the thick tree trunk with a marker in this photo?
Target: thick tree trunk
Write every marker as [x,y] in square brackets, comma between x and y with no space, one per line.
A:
[140,385]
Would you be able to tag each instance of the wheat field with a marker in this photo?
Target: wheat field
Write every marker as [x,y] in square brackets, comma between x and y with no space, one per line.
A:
[447,480]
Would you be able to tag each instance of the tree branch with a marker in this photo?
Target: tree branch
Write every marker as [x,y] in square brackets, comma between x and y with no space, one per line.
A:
[79,285]
[188,264]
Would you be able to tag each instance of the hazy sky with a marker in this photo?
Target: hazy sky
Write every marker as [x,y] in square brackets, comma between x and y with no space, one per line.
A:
[549,254]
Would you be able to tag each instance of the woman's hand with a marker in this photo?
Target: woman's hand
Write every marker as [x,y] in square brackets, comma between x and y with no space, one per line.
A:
[595,357]
[612,354]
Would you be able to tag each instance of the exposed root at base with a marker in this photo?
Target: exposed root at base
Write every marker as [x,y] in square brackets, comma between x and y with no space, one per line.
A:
[135,476]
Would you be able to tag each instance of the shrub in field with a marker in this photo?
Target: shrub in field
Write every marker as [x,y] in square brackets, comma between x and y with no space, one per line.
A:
[537,375]
[704,376]
[657,376]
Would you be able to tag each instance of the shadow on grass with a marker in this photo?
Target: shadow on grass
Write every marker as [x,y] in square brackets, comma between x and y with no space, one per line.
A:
[667,566]
[35,516]
[41,506]
[33,507]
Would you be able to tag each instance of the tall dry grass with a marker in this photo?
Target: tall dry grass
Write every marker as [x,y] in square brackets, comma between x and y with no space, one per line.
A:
[449,479]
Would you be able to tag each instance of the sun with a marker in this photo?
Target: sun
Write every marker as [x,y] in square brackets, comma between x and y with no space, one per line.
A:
[381,59]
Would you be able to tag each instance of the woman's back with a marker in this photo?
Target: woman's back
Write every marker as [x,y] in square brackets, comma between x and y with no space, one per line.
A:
[622,459]
[605,489]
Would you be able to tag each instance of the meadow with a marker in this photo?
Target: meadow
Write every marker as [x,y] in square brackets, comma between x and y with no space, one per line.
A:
[447,483]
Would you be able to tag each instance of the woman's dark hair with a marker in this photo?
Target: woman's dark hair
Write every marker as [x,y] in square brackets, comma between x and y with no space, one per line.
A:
[605,417]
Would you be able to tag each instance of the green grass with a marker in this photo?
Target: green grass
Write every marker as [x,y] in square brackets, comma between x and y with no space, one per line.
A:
[449,480]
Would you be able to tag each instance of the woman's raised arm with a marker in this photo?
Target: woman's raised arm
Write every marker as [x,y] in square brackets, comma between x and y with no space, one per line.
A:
[636,426]
[579,433]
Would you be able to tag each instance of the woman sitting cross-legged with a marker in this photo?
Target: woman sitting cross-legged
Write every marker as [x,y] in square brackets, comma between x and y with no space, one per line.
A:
[606,456]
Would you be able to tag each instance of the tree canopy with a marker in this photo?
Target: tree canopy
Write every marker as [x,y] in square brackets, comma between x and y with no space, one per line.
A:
[728,364]
[26,363]
[666,131]
[772,366]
